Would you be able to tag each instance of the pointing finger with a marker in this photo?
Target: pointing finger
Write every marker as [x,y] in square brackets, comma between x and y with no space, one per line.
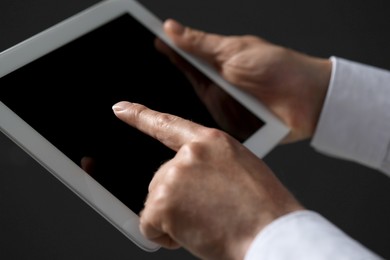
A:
[170,130]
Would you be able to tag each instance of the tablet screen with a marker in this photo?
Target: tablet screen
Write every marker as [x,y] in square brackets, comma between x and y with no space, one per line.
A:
[67,95]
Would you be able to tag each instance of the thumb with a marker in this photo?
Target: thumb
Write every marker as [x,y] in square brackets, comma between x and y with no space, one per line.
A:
[206,46]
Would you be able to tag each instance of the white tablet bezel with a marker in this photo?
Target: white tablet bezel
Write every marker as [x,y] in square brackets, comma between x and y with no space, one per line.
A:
[261,142]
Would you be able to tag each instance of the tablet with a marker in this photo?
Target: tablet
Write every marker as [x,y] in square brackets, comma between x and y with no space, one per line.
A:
[58,88]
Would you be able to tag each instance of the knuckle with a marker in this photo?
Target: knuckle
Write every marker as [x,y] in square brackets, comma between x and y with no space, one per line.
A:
[215,134]
[138,111]
[199,149]
[163,121]
[195,37]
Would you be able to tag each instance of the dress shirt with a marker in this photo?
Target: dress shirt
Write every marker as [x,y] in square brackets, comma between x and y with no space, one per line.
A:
[355,120]
[354,125]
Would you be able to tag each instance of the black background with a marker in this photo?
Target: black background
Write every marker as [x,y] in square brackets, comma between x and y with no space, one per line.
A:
[40,219]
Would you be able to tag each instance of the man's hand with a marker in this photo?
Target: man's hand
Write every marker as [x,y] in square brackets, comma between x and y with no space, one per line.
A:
[214,196]
[291,84]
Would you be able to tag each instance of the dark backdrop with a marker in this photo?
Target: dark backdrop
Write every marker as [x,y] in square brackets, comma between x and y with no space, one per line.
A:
[40,219]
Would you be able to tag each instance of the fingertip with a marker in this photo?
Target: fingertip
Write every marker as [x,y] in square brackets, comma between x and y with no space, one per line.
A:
[197,42]
[174,27]
[120,106]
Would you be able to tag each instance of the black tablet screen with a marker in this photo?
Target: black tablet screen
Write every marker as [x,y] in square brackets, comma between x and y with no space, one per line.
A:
[67,96]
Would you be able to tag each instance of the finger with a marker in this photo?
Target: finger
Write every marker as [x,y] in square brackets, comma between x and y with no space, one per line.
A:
[198,80]
[170,130]
[171,54]
[155,234]
[88,164]
[199,43]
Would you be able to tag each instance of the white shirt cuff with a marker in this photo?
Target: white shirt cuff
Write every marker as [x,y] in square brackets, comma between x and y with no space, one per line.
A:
[355,120]
[305,235]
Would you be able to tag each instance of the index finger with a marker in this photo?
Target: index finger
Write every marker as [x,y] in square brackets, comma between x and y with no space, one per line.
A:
[172,131]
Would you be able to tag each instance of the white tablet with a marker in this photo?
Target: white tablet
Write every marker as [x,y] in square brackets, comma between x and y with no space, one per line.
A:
[58,87]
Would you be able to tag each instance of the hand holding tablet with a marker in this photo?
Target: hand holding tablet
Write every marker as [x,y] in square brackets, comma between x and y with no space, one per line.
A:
[93,60]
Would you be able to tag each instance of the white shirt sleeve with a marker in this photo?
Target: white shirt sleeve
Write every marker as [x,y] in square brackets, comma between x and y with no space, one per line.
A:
[355,120]
[306,235]
[354,125]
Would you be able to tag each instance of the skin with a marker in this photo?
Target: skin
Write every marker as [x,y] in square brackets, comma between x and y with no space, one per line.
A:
[214,196]
[291,84]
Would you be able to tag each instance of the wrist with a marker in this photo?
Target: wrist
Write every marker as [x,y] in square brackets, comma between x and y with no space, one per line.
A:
[309,78]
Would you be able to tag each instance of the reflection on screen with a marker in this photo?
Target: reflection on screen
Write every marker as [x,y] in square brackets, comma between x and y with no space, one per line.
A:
[67,96]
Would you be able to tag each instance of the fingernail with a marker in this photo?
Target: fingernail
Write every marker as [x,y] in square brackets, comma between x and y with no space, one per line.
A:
[176,27]
[120,106]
